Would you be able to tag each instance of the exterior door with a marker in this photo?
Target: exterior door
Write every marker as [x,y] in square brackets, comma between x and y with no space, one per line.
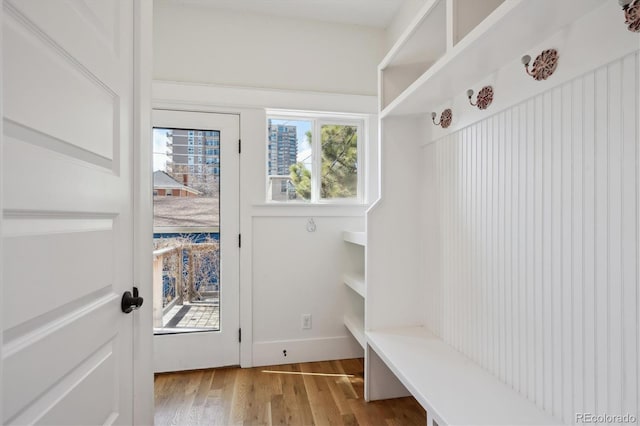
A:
[67,85]
[196,240]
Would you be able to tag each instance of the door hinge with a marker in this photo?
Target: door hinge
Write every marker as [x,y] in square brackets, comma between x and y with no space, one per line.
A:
[239,335]
[239,146]
[239,240]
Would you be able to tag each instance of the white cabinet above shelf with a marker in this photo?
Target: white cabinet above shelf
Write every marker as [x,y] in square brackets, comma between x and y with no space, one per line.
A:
[496,41]
[358,238]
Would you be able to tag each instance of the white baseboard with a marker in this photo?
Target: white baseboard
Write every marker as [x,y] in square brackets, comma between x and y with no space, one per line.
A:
[305,350]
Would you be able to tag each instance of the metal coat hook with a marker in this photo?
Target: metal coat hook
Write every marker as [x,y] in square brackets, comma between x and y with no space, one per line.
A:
[484,98]
[311,225]
[544,65]
[445,118]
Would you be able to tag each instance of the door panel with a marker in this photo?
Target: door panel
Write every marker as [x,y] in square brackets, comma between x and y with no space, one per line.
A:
[219,346]
[65,167]
[28,368]
[92,381]
[89,32]
[39,240]
[67,212]
[88,119]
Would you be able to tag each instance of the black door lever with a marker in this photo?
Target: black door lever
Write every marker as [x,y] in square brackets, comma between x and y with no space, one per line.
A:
[131,302]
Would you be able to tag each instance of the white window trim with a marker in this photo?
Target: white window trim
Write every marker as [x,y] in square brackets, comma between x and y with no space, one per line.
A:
[318,119]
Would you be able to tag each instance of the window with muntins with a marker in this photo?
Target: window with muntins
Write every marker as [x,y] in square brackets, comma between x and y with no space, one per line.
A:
[314,158]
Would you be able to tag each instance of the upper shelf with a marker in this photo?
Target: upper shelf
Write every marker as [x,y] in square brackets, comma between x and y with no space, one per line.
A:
[423,41]
[494,42]
[419,47]
[359,238]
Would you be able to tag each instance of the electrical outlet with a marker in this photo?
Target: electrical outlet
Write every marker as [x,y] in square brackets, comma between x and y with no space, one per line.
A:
[306,321]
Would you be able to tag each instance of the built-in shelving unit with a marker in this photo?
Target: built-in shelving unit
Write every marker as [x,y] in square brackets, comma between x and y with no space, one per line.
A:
[355,284]
[450,46]
[476,35]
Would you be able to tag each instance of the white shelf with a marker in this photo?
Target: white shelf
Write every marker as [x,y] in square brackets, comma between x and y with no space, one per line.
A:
[418,48]
[356,327]
[423,40]
[448,385]
[485,49]
[465,15]
[359,238]
[355,282]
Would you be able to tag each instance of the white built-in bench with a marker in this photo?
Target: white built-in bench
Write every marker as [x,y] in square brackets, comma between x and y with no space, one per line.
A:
[453,389]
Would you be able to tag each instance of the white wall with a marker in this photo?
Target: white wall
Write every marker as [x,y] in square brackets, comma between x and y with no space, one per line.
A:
[208,45]
[233,61]
[285,270]
[298,272]
[537,202]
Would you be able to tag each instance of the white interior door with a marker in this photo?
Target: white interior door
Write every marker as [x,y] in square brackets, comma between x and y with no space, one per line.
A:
[196,240]
[67,211]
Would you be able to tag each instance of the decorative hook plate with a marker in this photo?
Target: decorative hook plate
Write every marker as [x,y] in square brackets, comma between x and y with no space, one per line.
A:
[632,16]
[544,65]
[485,97]
[445,118]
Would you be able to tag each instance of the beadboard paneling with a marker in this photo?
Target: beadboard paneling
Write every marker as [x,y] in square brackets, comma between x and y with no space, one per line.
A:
[538,235]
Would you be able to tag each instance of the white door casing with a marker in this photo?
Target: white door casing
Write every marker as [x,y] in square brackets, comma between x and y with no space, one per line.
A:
[67,212]
[143,398]
[1,184]
[188,351]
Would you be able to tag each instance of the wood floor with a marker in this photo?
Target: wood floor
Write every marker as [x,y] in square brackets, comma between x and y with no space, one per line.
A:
[318,393]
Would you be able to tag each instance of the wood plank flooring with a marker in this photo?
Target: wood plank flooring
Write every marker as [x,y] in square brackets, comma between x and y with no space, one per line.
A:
[317,393]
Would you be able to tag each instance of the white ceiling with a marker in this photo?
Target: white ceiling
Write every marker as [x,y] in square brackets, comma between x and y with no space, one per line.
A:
[373,13]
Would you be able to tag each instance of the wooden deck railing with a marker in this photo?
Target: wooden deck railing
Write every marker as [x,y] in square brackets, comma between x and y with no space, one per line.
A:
[183,291]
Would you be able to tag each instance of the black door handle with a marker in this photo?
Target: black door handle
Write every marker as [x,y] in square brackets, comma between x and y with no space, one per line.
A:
[131,302]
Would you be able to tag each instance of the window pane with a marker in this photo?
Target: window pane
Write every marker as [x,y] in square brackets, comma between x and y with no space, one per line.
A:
[339,177]
[186,221]
[289,160]
[188,176]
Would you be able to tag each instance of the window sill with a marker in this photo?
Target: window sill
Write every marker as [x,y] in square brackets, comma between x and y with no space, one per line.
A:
[300,209]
